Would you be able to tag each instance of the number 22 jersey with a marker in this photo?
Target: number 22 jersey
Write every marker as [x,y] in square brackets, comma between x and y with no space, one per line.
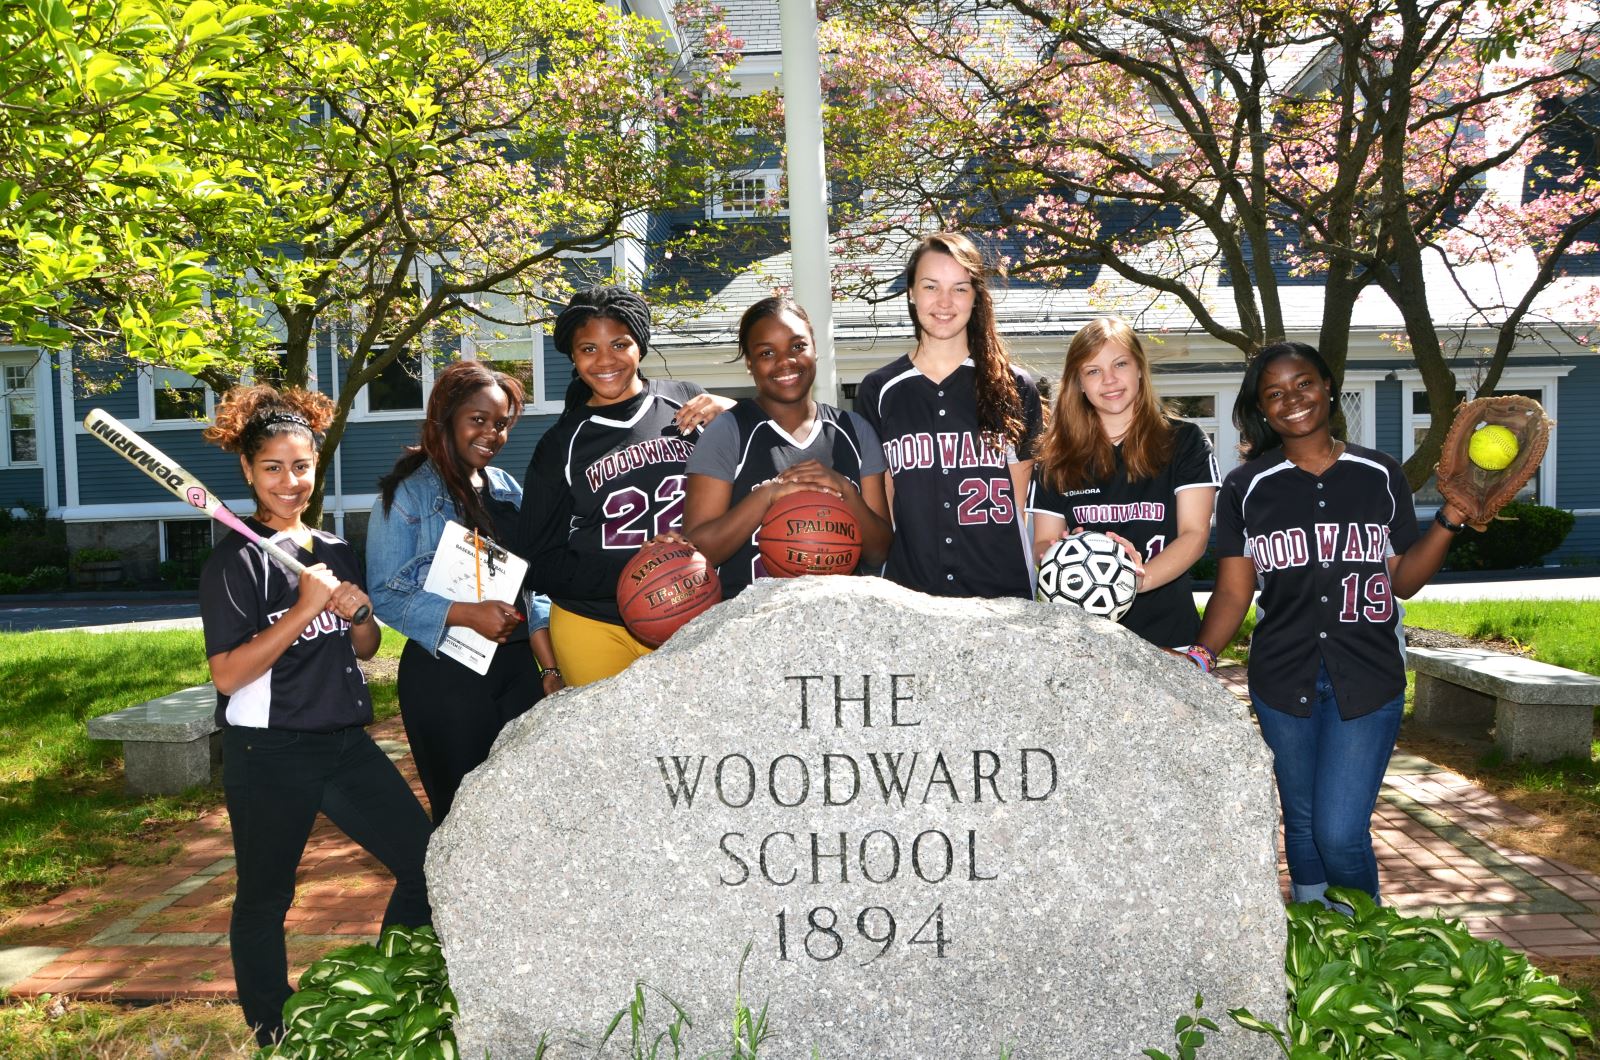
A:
[603,481]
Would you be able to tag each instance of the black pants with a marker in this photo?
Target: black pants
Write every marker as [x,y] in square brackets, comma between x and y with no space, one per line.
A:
[452,714]
[275,782]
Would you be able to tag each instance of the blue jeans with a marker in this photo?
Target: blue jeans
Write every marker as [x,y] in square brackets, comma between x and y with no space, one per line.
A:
[1329,771]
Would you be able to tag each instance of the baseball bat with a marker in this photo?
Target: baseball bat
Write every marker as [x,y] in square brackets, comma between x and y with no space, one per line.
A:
[171,475]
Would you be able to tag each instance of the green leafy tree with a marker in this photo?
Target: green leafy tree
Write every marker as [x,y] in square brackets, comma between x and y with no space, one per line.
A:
[95,173]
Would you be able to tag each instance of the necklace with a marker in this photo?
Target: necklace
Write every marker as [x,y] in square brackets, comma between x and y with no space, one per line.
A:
[1332,458]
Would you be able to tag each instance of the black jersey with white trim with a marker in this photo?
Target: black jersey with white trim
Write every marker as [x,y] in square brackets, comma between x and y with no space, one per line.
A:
[746,447]
[1146,513]
[1321,546]
[602,482]
[957,526]
[316,684]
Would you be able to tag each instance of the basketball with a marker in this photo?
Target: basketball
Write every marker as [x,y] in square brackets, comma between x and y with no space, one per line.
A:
[1492,447]
[809,532]
[666,585]
[1090,570]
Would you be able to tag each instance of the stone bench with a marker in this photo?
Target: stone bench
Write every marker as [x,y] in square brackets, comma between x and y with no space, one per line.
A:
[168,744]
[1538,711]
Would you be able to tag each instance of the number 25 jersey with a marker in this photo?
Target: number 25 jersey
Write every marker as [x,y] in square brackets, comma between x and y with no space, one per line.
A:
[603,481]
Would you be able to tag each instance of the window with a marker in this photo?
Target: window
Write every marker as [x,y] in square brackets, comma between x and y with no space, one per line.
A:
[1200,410]
[186,542]
[517,349]
[757,193]
[176,395]
[20,410]
[1429,493]
[398,388]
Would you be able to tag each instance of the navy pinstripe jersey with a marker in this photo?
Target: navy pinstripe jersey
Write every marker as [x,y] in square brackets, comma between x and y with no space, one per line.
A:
[1146,513]
[602,482]
[316,684]
[745,447]
[957,527]
[1321,546]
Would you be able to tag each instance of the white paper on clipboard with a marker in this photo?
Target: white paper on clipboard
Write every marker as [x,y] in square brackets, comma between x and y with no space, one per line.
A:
[464,571]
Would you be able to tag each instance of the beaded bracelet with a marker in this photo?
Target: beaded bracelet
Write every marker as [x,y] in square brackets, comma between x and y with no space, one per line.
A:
[546,671]
[1201,656]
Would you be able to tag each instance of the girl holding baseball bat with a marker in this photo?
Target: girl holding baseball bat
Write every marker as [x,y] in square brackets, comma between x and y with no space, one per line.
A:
[291,699]
[1327,531]
[780,443]
[452,713]
[1112,460]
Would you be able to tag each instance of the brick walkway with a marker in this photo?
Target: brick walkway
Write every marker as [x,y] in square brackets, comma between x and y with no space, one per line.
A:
[150,934]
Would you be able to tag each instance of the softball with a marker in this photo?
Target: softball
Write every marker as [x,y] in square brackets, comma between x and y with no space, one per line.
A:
[1493,447]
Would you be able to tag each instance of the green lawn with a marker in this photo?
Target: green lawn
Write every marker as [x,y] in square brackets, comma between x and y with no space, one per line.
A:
[1559,632]
[63,813]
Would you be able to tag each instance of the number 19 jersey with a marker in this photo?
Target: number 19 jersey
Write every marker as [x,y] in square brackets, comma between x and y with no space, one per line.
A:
[603,481]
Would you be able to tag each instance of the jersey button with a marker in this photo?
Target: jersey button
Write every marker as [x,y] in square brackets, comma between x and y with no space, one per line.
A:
[1302,699]
[941,393]
[1322,504]
[1324,562]
[1323,635]
[947,504]
[941,412]
[949,540]
[1319,485]
[1324,599]
[347,669]
[949,577]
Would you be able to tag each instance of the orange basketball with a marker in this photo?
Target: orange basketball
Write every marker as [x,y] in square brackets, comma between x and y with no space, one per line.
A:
[665,586]
[809,532]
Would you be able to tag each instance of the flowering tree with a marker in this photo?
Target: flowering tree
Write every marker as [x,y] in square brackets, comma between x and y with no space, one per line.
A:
[1219,156]
[419,167]
[95,178]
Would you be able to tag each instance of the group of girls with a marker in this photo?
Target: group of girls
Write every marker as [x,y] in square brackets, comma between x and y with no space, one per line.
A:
[946,449]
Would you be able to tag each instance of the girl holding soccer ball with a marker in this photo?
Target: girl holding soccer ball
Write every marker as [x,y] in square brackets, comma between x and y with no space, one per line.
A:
[1112,460]
[1327,532]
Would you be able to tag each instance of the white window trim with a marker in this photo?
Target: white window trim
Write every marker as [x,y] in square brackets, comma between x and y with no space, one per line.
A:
[360,408]
[1224,386]
[43,432]
[147,404]
[1546,378]
[161,535]
[470,351]
[772,177]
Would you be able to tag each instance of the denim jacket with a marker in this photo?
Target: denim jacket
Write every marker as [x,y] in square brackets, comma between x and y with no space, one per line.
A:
[400,547]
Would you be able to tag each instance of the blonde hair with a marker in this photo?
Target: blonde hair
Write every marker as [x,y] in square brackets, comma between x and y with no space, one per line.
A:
[1075,450]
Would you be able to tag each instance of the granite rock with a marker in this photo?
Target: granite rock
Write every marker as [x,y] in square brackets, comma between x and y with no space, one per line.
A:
[1070,832]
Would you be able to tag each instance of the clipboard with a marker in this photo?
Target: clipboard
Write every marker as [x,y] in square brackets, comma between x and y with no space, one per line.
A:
[469,567]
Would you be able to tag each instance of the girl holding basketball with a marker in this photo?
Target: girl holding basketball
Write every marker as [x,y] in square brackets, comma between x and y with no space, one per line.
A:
[452,713]
[780,443]
[1112,460]
[958,423]
[292,702]
[606,479]
[1327,532]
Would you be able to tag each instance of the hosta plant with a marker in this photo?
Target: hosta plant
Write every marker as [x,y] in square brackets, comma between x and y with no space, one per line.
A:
[1379,985]
[391,1000]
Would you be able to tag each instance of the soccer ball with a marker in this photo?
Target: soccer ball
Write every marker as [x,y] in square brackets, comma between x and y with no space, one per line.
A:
[1090,570]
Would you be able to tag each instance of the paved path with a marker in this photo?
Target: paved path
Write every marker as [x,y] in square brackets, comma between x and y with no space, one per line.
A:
[156,933]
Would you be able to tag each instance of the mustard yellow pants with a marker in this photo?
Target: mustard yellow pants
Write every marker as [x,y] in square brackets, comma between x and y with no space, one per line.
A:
[588,650]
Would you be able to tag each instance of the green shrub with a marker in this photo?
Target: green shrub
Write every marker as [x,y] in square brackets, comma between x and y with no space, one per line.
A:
[47,579]
[1380,984]
[94,555]
[13,583]
[22,552]
[1522,536]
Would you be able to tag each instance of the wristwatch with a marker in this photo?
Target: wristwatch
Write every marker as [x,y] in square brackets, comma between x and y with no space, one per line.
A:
[1454,528]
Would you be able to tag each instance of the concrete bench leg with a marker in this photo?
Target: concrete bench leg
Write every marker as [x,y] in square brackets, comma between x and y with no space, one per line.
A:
[153,768]
[1441,706]
[1543,732]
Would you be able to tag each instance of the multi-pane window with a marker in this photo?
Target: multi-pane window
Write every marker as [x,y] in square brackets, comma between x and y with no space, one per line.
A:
[751,194]
[1198,409]
[398,388]
[187,541]
[21,412]
[506,342]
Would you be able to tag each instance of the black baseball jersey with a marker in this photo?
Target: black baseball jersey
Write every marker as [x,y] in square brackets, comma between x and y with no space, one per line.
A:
[1146,513]
[1321,548]
[745,447]
[602,482]
[315,686]
[958,530]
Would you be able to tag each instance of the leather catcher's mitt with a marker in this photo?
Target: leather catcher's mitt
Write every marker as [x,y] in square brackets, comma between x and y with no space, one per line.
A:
[1481,492]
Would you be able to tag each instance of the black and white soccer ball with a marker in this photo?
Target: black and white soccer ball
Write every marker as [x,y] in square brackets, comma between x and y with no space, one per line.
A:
[1090,570]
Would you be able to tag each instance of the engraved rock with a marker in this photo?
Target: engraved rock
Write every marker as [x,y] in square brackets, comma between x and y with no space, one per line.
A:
[941,827]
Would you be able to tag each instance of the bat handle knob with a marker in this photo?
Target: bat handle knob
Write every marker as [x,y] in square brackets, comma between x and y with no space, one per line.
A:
[363,613]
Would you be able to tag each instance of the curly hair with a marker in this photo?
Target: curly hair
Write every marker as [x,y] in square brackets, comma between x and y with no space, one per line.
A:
[249,415]
[999,403]
[1075,450]
[451,387]
[1255,435]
